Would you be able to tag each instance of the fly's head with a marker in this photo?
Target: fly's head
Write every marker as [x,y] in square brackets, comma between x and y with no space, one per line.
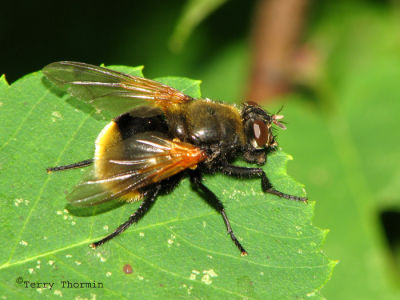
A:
[258,131]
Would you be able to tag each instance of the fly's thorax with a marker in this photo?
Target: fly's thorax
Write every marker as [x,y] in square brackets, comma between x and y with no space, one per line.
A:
[204,122]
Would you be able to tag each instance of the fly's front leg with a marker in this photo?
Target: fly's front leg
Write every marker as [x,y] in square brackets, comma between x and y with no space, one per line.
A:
[258,172]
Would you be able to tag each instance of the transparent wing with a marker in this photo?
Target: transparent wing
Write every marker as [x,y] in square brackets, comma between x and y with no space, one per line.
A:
[86,194]
[134,163]
[109,90]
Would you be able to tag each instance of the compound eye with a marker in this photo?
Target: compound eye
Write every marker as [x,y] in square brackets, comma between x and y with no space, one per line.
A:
[260,131]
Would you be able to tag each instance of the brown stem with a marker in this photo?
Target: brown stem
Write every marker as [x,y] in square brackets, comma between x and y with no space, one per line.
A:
[276,31]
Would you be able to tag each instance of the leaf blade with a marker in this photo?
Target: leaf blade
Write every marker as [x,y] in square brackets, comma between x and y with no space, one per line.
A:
[179,249]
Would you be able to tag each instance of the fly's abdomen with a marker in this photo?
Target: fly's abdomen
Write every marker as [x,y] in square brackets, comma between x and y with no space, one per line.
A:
[114,144]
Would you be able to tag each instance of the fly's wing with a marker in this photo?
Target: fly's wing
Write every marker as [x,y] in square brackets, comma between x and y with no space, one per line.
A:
[134,163]
[109,90]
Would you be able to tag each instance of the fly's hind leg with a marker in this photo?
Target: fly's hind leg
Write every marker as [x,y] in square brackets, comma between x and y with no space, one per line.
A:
[76,165]
[150,198]
[258,172]
[212,199]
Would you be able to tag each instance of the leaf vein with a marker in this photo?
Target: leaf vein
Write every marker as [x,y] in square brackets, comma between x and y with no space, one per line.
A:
[43,188]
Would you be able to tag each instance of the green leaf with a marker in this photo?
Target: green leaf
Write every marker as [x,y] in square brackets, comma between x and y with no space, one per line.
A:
[179,249]
[349,153]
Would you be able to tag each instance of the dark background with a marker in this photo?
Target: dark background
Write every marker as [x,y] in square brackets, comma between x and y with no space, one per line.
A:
[125,32]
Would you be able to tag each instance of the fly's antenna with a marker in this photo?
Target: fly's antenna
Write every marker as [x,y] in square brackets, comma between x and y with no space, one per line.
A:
[276,117]
[280,109]
[275,120]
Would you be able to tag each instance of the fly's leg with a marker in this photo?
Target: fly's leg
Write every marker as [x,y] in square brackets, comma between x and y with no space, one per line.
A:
[212,199]
[150,198]
[76,165]
[258,173]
